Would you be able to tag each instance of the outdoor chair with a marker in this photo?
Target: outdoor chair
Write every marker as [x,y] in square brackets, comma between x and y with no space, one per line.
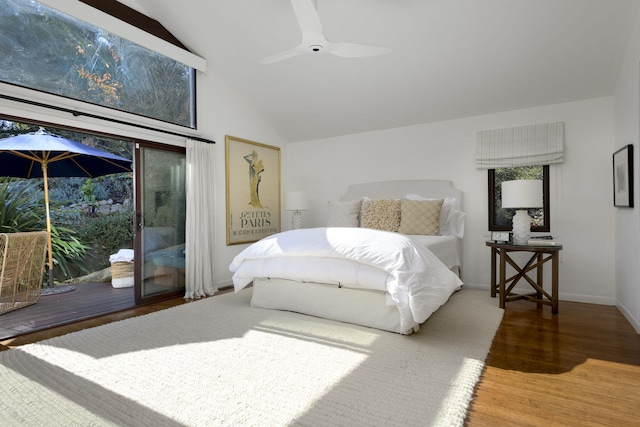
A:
[22,259]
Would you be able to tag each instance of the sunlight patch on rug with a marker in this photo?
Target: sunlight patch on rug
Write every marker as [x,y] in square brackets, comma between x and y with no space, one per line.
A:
[220,362]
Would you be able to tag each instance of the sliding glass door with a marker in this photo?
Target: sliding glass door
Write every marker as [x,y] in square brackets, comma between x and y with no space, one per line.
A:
[160,222]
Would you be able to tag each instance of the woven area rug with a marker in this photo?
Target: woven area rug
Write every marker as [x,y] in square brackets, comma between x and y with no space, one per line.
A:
[218,361]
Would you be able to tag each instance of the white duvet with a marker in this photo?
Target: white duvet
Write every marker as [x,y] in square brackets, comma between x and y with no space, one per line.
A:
[415,280]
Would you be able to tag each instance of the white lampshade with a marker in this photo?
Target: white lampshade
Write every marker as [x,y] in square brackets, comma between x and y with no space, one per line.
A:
[295,201]
[522,194]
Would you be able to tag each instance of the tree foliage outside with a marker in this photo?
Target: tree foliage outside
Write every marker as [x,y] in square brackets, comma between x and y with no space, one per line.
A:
[107,234]
[43,49]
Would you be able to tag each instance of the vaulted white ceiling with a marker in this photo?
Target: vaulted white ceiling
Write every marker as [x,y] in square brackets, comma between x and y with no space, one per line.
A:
[451,58]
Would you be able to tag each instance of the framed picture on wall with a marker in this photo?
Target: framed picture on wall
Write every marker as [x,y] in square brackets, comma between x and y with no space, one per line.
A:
[253,190]
[623,177]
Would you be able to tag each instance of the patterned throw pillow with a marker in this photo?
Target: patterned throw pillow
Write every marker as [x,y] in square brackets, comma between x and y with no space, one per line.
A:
[447,206]
[344,214]
[380,214]
[420,216]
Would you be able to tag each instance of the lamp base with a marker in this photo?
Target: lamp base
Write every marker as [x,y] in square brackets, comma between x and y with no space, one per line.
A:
[521,227]
[297,220]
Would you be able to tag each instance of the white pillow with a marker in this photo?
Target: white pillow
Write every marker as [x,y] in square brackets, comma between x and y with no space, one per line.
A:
[444,212]
[344,214]
[456,223]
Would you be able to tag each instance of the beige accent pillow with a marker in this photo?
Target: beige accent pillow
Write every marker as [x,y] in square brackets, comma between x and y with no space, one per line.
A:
[380,214]
[447,206]
[420,216]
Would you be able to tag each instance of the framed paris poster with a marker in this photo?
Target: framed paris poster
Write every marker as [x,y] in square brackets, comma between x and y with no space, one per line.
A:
[253,190]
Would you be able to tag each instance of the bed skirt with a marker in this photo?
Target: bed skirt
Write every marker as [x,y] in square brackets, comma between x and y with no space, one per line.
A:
[361,307]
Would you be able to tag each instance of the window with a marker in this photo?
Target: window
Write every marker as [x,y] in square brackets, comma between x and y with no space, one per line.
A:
[46,50]
[500,219]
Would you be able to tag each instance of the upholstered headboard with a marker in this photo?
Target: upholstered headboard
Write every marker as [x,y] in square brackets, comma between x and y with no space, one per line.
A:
[428,188]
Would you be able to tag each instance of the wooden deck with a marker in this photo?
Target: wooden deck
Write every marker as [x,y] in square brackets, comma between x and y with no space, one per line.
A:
[86,301]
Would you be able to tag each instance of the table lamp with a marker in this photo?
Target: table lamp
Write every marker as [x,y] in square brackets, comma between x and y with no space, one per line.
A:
[295,201]
[522,195]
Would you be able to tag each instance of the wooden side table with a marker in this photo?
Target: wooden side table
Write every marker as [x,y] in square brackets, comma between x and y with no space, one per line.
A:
[540,255]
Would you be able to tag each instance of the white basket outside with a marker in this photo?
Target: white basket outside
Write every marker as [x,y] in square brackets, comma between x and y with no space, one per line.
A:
[122,274]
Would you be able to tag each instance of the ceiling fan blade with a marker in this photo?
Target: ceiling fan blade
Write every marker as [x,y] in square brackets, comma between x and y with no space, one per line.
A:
[353,50]
[308,19]
[299,50]
[313,39]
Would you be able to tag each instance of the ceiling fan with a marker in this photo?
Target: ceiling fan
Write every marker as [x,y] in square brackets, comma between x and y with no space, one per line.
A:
[313,39]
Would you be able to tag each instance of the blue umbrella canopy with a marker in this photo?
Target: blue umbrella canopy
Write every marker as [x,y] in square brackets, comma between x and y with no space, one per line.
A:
[42,155]
[23,156]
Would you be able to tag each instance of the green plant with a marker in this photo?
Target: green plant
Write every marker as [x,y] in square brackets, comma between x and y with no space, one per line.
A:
[21,205]
[107,234]
[69,253]
[65,189]
[88,190]
[22,208]
[116,186]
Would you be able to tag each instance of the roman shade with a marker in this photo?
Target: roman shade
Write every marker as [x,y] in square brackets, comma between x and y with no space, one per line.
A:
[541,144]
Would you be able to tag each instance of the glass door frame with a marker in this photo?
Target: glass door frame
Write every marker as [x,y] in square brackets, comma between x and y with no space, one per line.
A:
[140,299]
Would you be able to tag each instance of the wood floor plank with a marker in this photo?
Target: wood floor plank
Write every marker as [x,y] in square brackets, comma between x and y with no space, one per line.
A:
[579,368]
[43,334]
[87,300]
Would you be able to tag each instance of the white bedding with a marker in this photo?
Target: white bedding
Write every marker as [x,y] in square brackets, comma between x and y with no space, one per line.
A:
[446,248]
[415,280]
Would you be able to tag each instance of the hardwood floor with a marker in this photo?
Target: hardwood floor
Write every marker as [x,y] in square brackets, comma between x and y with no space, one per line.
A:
[86,301]
[94,320]
[578,368]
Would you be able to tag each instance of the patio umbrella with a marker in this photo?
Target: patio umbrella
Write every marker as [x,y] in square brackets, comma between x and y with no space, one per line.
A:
[43,155]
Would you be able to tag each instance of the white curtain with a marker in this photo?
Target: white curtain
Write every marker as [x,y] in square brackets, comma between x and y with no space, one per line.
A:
[200,224]
[541,144]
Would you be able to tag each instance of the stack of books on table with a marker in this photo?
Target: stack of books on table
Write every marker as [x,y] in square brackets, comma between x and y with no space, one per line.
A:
[543,241]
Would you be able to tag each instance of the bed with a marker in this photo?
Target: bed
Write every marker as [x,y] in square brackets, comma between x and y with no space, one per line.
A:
[388,258]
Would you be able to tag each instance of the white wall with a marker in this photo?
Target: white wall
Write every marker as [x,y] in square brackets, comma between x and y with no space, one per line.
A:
[582,216]
[223,113]
[627,232]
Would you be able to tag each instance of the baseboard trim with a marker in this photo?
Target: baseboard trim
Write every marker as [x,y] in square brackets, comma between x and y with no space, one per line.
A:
[589,299]
[627,314]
